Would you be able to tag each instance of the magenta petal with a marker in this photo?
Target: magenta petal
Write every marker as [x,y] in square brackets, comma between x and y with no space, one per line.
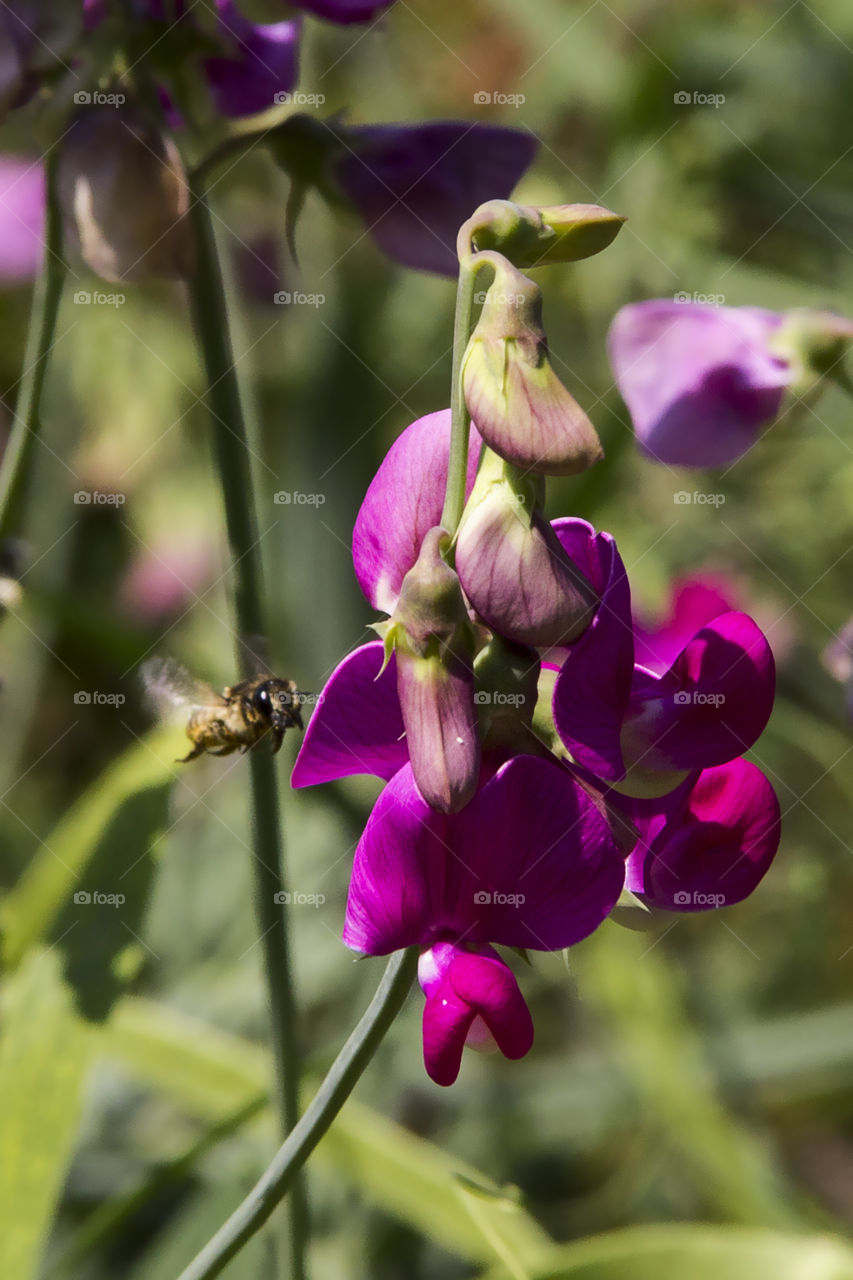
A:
[415,184]
[344,12]
[404,501]
[713,846]
[594,685]
[489,987]
[700,381]
[695,600]
[711,706]
[357,726]
[446,1022]
[529,862]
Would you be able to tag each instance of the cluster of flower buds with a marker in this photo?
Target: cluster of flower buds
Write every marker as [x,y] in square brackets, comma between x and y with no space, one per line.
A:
[534,769]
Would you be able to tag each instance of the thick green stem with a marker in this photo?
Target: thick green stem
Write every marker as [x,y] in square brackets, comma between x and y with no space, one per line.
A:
[20,450]
[233,459]
[331,1096]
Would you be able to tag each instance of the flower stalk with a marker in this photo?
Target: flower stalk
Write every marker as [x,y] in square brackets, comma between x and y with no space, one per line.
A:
[345,1072]
[231,446]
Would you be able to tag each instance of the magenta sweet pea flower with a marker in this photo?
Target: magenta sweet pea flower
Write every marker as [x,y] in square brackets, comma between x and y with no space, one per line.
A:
[707,708]
[415,184]
[709,843]
[261,64]
[701,382]
[22,204]
[530,862]
[404,501]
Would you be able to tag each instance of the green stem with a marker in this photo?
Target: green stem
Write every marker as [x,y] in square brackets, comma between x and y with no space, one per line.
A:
[231,444]
[331,1096]
[460,421]
[20,450]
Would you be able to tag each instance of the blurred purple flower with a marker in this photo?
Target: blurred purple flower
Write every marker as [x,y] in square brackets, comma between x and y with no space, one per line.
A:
[22,204]
[711,704]
[344,12]
[709,843]
[700,382]
[261,65]
[415,184]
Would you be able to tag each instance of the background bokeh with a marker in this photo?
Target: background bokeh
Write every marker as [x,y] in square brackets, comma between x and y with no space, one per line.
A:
[700,1071]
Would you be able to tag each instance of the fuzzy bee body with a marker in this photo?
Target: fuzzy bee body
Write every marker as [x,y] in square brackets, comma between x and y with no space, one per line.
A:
[235,720]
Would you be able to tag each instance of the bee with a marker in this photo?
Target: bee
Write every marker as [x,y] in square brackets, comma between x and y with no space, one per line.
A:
[238,718]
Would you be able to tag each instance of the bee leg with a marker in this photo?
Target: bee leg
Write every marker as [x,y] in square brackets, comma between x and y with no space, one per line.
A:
[277,740]
[193,755]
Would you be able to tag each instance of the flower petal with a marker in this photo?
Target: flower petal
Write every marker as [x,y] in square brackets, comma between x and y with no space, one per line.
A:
[712,845]
[591,692]
[264,62]
[404,501]
[415,184]
[695,600]
[700,381]
[357,726]
[712,704]
[530,862]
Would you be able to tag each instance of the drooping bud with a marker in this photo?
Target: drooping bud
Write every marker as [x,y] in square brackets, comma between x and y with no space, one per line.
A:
[507,677]
[520,406]
[512,566]
[124,195]
[433,640]
[534,237]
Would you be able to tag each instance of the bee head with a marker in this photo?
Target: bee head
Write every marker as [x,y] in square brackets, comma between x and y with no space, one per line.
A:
[278,702]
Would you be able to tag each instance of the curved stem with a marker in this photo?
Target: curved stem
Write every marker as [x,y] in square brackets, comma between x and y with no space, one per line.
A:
[20,449]
[231,444]
[460,421]
[327,1102]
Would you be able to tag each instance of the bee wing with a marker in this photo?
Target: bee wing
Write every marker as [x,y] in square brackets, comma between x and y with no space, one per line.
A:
[169,687]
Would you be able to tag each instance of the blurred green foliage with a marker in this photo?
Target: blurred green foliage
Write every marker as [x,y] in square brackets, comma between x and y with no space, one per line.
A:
[699,1072]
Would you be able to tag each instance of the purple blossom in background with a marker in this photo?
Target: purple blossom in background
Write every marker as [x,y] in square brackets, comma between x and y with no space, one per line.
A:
[701,382]
[344,12]
[22,206]
[262,61]
[414,184]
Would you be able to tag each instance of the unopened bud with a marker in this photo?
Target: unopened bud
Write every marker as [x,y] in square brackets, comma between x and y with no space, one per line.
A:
[125,197]
[433,640]
[537,236]
[520,406]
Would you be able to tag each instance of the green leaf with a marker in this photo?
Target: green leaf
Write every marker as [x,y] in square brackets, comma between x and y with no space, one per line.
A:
[700,1252]
[32,908]
[43,1059]
[210,1073]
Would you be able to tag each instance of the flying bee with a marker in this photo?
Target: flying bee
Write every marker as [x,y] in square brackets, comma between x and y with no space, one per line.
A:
[238,718]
